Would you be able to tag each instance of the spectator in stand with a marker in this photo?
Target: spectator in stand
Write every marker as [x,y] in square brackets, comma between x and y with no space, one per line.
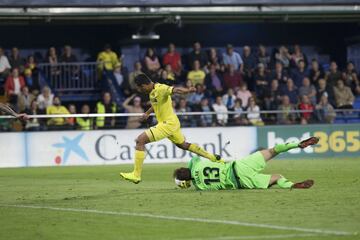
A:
[351,78]
[309,90]
[67,55]
[173,58]
[324,89]
[232,58]
[13,86]
[249,66]
[283,56]
[71,120]
[134,74]
[197,55]
[106,105]
[171,76]
[324,111]
[239,117]
[16,61]
[186,121]
[45,99]
[24,99]
[272,96]
[221,112]
[243,94]
[194,99]
[84,123]
[298,56]
[333,75]
[229,99]
[263,57]
[305,105]
[107,60]
[34,124]
[344,97]
[214,60]
[299,74]
[214,81]
[165,78]
[133,121]
[196,76]
[280,74]
[152,64]
[118,76]
[32,83]
[315,73]
[253,114]
[52,58]
[57,123]
[291,91]
[232,78]
[206,120]
[286,116]
[261,81]
[4,65]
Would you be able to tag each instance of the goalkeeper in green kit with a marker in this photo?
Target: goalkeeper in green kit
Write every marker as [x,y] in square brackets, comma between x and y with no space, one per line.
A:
[240,174]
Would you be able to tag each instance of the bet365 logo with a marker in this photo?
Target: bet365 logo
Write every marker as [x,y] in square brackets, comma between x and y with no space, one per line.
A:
[337,141]
[272,140]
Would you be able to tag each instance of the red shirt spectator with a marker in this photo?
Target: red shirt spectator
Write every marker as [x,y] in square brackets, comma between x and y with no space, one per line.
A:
[232,79]
[14,83]
[305,105]
[172,58]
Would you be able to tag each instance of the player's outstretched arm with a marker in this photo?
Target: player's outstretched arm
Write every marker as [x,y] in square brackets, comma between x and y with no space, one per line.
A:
[182,90]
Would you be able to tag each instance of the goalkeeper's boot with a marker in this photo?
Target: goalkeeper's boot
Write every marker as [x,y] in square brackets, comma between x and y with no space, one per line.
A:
[308,142]
[305,184]
[130,177]
[219,159]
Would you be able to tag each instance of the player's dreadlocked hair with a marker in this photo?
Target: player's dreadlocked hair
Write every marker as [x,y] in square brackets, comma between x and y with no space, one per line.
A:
[142,79]
[182,174]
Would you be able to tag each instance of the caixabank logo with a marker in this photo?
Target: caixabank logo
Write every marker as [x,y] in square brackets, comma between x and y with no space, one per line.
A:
[67,147]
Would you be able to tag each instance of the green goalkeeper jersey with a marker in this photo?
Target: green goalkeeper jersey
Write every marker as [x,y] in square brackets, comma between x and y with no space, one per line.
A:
[207,175]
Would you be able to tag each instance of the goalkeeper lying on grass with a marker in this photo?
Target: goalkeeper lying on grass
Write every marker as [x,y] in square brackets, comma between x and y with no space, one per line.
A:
[240,174]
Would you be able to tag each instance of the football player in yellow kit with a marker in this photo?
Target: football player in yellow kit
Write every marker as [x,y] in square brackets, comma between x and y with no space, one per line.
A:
[168,124]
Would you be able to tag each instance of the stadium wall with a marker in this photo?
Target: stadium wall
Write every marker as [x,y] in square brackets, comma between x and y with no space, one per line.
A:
[104,147]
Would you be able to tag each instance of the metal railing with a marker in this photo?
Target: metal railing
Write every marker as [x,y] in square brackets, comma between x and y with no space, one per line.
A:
[65,77]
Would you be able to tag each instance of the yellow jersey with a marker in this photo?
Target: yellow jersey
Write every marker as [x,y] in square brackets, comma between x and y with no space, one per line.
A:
[109,59]
[56,110]
[160,98]
[196,77]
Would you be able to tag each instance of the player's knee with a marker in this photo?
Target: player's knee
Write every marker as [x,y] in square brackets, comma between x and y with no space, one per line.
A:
[276,177]
[139,142]
[184,145]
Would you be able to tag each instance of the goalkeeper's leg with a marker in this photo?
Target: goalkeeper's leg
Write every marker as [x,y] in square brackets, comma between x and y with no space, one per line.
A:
[280,148]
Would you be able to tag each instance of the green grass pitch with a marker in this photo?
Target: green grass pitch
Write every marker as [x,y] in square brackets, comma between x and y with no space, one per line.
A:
[86,203]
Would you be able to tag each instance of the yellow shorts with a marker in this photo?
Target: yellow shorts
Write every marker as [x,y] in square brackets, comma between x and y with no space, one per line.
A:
[167,130]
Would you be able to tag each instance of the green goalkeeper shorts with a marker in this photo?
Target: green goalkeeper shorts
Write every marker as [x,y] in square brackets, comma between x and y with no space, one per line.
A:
[248,170]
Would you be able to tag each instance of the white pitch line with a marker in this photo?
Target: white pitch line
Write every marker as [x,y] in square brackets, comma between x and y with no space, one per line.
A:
[277,236]
[188,219]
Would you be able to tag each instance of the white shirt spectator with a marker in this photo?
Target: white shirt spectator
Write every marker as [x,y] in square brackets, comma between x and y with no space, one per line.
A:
[4,63]
[221,113]
[17,87]
[45,102]
[253,113]
[234,59]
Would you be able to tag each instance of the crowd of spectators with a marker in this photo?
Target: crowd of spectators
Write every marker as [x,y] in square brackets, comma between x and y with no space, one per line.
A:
[256,79]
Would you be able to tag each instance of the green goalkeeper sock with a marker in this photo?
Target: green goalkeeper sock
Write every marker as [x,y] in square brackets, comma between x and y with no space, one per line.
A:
[279,148]
[284,183]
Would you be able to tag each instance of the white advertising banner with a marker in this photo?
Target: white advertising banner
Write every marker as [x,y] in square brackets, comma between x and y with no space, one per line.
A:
[13,150]
[117,146]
